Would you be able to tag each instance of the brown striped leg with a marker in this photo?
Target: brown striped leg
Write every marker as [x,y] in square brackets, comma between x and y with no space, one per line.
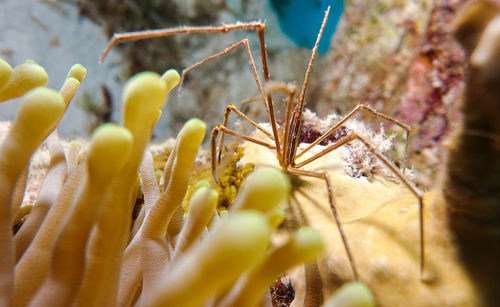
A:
[222,128]
[331,200]
[233,108]
[414,190]
[372,111]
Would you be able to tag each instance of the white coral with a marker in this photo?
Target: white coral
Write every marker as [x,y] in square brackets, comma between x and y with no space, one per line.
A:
[357,157]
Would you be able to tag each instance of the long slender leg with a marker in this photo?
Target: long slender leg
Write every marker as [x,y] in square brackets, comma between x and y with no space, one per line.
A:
[311,61]
[299,109]
[222,128]
[258,26]
[290,90]
[148,34]
[358,108]
[249,100]
[271,86]
[233,108]
[219,54]
[229,108]
[331,200]
[251,62]
[253,111]
[268,99]
[414,190]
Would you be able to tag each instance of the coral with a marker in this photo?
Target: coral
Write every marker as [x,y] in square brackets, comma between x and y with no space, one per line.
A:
[433,87]
[81,218]
[371,53]
[435,79]
[78,244]
[231,179]
[359,162]
[381,219]
[399,57]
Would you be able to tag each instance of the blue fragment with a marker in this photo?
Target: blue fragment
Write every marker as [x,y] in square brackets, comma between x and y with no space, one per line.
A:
[301,20]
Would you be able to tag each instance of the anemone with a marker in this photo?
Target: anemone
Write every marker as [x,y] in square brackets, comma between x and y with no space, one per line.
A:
[79,244]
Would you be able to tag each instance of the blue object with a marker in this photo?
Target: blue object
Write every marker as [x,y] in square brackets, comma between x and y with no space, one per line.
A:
[301,20]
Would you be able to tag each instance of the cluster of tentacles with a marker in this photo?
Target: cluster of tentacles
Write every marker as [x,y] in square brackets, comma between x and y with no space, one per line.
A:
[78,244]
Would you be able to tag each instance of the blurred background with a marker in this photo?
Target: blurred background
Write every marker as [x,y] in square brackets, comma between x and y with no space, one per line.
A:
[395,55]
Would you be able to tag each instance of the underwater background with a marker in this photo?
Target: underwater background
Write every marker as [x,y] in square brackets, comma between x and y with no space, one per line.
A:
[394,55]
[411,60]
[300,20]
[77,31]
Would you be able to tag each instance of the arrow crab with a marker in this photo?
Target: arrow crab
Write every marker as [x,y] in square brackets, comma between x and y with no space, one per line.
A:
[285,137]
